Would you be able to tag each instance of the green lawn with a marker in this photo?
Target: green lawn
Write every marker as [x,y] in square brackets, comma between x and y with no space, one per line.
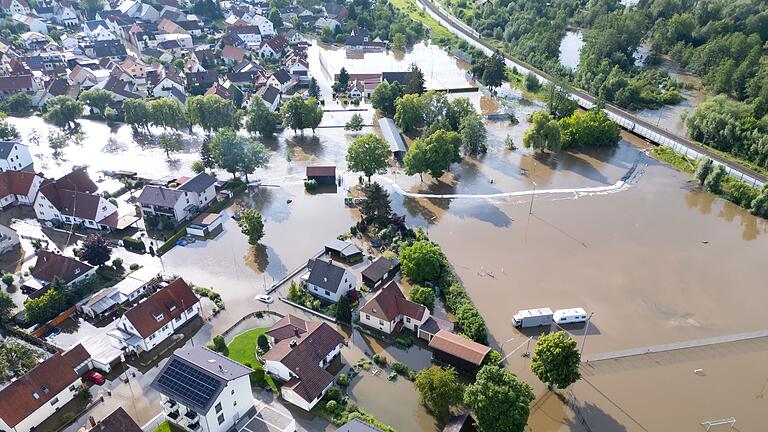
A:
[242,349]
[167,427]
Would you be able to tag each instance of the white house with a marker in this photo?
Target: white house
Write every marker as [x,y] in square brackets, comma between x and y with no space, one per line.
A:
[265,25]
[299,355]
[281,80]
[204,391]
[178,204]
[329,281]
[50,265]
[18,187]
[166,81]
[34,23]
[270,95]
[8,239]
[15,7]
[155,319]
[72,200]
[273,48]
[41,392]
[65,15]
[388,311]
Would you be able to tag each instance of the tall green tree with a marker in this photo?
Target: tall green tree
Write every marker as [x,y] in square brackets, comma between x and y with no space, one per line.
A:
[377,205]
[434,107]
[368,154]
[19,105]
[167,113]
[434,154]
[499,400]
[261,119]
[593,128]
[228,150]
[473,135]
[544,133]
[63,111]
[439,390]
[344,310]
[704,167]
[255,155]
[49,305]
[136,113]
[169,143]
[558,103]
[57,141]
[422,261]
[7,305]
[556,360]
[212,113]
[423,296]
[458,109]
[385,96]
[207,157]
[714,180]
[95,250]
[275,18]
[415,81]
[495,70]
[408,112]
[295,114]
[98,99]
[355,123]
[314,89]
[342,83]
[91,7]
[313,113]
[8,132]
[16,359]
[252,225]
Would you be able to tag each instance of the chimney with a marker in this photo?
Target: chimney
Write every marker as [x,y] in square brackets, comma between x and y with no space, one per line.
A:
[293,343]
[221,368]
[296,331]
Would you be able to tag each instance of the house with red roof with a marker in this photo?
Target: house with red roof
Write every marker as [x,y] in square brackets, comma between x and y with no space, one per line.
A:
[155,319]
[15,7]
[50,265]
[72,199]
[43,391]
[19,187]
[299,355]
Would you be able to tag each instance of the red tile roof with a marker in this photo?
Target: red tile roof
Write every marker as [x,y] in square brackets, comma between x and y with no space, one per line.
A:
[391,302]
[169,302]
[16,182]
[55,374]
[459,347]
[321,171]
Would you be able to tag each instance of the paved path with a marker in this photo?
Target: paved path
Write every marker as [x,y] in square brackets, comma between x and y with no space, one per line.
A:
[625,119]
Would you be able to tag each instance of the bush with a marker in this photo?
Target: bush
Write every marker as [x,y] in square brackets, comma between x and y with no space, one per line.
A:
[334,394]
[742,194]
[332,406]
[310,185]
[263,342]
[117,263]
[400,368]
[380,360]
[343,380]
[68,417]
[532,83]
[134,267]
[257,376]
[7,279]
[134,245]
[220,345]
[412,375]
[353,230]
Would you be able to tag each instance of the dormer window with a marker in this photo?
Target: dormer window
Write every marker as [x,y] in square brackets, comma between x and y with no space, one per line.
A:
[159,317]
[77,271]
[36,396]
[171,307]
[45,389]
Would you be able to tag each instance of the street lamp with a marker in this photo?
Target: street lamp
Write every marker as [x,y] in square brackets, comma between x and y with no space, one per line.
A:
[533,195]
[586,329]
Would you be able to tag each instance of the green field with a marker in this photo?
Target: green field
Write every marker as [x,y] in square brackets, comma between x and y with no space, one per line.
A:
[242,349]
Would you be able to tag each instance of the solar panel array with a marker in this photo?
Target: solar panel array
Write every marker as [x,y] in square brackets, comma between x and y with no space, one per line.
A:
[189,385]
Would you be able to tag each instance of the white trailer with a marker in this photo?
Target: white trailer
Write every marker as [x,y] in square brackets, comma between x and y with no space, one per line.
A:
[570,316]
[532,318]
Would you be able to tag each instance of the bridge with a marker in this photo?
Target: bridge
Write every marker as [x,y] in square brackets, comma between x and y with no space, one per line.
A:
[625,119]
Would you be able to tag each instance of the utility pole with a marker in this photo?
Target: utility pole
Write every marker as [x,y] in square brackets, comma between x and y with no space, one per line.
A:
[533,195]
[586,329]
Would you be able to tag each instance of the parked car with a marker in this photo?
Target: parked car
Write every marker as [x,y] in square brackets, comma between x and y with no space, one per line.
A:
[265,298]
[532,318]
[95,377]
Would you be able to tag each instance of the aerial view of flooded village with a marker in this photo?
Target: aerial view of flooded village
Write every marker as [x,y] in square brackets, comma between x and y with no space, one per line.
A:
[383,215]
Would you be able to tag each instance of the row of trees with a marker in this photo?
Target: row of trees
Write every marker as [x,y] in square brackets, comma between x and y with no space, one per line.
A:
[210,112]
[593,128]
[498,399]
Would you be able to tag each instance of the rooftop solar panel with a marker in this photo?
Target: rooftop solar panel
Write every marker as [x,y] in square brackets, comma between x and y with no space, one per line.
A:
[189,385]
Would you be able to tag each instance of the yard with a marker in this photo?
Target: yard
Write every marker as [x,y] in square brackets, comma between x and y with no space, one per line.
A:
[242,349]
[168,427]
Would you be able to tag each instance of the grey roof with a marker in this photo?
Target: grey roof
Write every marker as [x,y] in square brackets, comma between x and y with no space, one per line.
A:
[357,425]
[392,135]
[6,147]
[344,248]
[198,183]
[325,275]
[195,377]
[282,76]
[160,196]
[269,94]
[379,268]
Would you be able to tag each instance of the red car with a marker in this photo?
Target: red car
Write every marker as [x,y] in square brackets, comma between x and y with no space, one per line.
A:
[95,377]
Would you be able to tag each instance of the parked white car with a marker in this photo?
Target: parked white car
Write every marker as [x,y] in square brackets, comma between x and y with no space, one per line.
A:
[265,298]
[570,316]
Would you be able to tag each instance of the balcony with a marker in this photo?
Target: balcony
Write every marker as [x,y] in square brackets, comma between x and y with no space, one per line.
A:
[194,427]
[173,415]
[171,405]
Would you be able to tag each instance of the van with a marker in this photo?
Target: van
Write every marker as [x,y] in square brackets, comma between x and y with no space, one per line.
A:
[570,316]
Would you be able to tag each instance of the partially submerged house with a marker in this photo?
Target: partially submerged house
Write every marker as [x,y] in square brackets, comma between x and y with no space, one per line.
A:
[380,271]
[343,250]
[299,355]
[392,135]
[204,391]
[322,174]
[178,204]
[328,281]
[155,319]
[50,265]
[389,311]
[19,187]
[456,350]
[72,199]
[15,156]
[205,224]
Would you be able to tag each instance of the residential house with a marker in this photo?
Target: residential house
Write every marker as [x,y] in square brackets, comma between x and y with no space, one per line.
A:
[232,54]
[167,81]
[204,391]
[33,23]
[298,68]
[357,425]
[265,25]
[69,43]
[33,40]
[117,421]
[89,27]
[201,80]
[193,27]
[111,49]
[155,319]
[18,187]
[15,156]
[193,65]
[273,48]
[178,204]
[10,85]
[50,265]
[389,311]
[64,14]
[168,26]
[380,271]
[83,76]
[327,23]
[270,95]
[120,89]
[456,350]
[249,35]
[322,174]
[335,11]
[56,87]
[281,80]
[293,37]
[11,7]
[343,250]
[72,200]
[43,391]
[136,69]
[221,91]
[328,281]
[8,239]
[300,351]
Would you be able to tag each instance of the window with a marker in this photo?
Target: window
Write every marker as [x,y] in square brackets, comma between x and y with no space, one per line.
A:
[234,403]
[381,322]
[54,401]
[327,293]
[218,409]
[72,388]
[407,319]
[368,317]
[220,418]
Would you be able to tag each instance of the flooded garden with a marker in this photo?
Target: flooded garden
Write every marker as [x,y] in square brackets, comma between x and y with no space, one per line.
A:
[657,262]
